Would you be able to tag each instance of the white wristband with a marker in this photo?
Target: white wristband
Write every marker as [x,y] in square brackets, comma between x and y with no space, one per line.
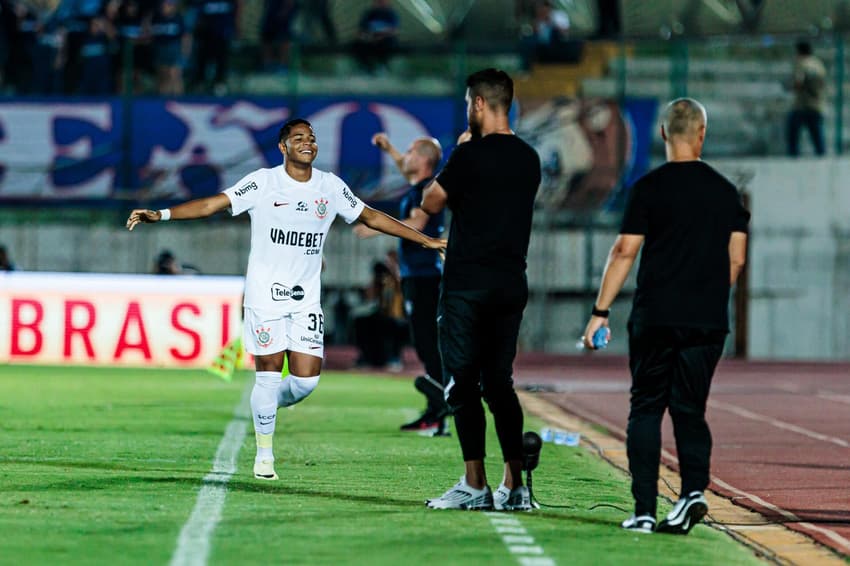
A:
[165,214]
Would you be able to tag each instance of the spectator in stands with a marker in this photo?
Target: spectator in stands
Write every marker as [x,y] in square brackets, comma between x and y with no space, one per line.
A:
[133,26]
[167,264]
[7,26]
[380,331]
[809,87]
[48,63]
[96,58]
[215,30]
[377,38]
[171,46]
[6,263]
[608,25]
[548,40]
[278,17]
[319,11]
[23,40]
[74,17]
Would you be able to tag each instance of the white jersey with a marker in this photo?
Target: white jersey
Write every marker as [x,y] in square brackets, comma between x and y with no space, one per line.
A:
[289,224]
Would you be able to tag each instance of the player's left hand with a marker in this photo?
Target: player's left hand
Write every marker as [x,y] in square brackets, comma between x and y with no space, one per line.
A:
[436,244]
[594,324]
[142,215]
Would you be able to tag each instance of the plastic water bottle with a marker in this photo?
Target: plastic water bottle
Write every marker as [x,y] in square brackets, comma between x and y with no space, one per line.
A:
[547,435]
[573,439]
[600,339]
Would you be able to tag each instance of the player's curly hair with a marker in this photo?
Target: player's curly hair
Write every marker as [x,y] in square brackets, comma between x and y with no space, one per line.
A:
[287,128]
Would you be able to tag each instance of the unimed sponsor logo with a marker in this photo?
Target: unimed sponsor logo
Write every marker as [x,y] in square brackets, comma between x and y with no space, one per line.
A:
[284,293]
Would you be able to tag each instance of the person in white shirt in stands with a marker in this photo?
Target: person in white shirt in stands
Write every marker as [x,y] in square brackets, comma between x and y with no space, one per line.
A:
[292,206]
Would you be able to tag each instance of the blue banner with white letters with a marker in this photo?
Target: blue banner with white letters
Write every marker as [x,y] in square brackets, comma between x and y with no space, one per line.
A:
[154,149]
[157,149]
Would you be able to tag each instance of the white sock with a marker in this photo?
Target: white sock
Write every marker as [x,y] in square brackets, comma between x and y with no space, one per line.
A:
[264,411]
[294,389]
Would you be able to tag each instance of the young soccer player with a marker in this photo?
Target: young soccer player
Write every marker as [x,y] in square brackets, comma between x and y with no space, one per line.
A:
[292,206]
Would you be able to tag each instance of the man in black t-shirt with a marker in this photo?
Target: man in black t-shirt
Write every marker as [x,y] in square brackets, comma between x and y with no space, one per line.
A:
[693,229]
[489,183]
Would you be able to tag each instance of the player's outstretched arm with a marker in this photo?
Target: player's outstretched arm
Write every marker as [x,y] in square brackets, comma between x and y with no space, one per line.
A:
[383,143]
[417,220]
[377,220]
[198,208]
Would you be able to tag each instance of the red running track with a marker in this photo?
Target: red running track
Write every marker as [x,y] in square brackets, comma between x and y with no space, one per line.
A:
[781,431]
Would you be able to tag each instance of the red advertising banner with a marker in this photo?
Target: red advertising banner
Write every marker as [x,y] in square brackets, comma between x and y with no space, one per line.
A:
[132,320]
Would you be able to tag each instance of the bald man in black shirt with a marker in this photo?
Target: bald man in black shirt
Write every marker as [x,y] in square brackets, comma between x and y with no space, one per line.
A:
[693,229]
[489,183]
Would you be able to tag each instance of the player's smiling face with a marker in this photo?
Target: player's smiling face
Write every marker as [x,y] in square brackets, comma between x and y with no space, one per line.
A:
[300,146]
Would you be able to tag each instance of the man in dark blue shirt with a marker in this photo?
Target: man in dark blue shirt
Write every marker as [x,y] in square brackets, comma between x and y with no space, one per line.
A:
[421,270]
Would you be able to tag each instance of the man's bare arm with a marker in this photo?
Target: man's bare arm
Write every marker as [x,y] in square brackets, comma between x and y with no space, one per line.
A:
[417,220]
[434,198]
[620,260]
[383,143]
[198,208]
[377,220]
[737,255]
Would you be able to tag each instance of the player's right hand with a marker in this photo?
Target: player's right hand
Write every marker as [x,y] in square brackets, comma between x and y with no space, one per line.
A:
[142,215]
[381,140]
[464,137]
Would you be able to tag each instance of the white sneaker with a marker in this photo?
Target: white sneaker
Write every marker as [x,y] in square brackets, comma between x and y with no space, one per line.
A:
[686,513]
[517,499]
[639,524]
[463,496]
[264,470]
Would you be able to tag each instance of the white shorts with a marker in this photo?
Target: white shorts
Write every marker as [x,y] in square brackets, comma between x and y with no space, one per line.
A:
[269,333]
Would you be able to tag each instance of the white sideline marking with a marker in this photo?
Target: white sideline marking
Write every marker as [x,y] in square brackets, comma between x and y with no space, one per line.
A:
[831,396]
[520,544]
[747,414]
[193,544]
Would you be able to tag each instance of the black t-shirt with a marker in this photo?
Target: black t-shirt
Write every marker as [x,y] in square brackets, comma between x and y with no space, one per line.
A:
[687,211]
[491,184]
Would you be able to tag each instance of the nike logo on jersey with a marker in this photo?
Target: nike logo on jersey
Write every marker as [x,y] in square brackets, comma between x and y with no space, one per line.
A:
[280,203]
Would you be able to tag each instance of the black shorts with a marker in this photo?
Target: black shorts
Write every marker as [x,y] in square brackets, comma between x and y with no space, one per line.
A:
[478,334]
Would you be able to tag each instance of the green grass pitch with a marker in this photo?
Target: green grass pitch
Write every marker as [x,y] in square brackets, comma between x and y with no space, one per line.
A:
[103,466]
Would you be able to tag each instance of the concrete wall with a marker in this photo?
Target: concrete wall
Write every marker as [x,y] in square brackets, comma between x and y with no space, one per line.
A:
[799,261]
[800,256]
